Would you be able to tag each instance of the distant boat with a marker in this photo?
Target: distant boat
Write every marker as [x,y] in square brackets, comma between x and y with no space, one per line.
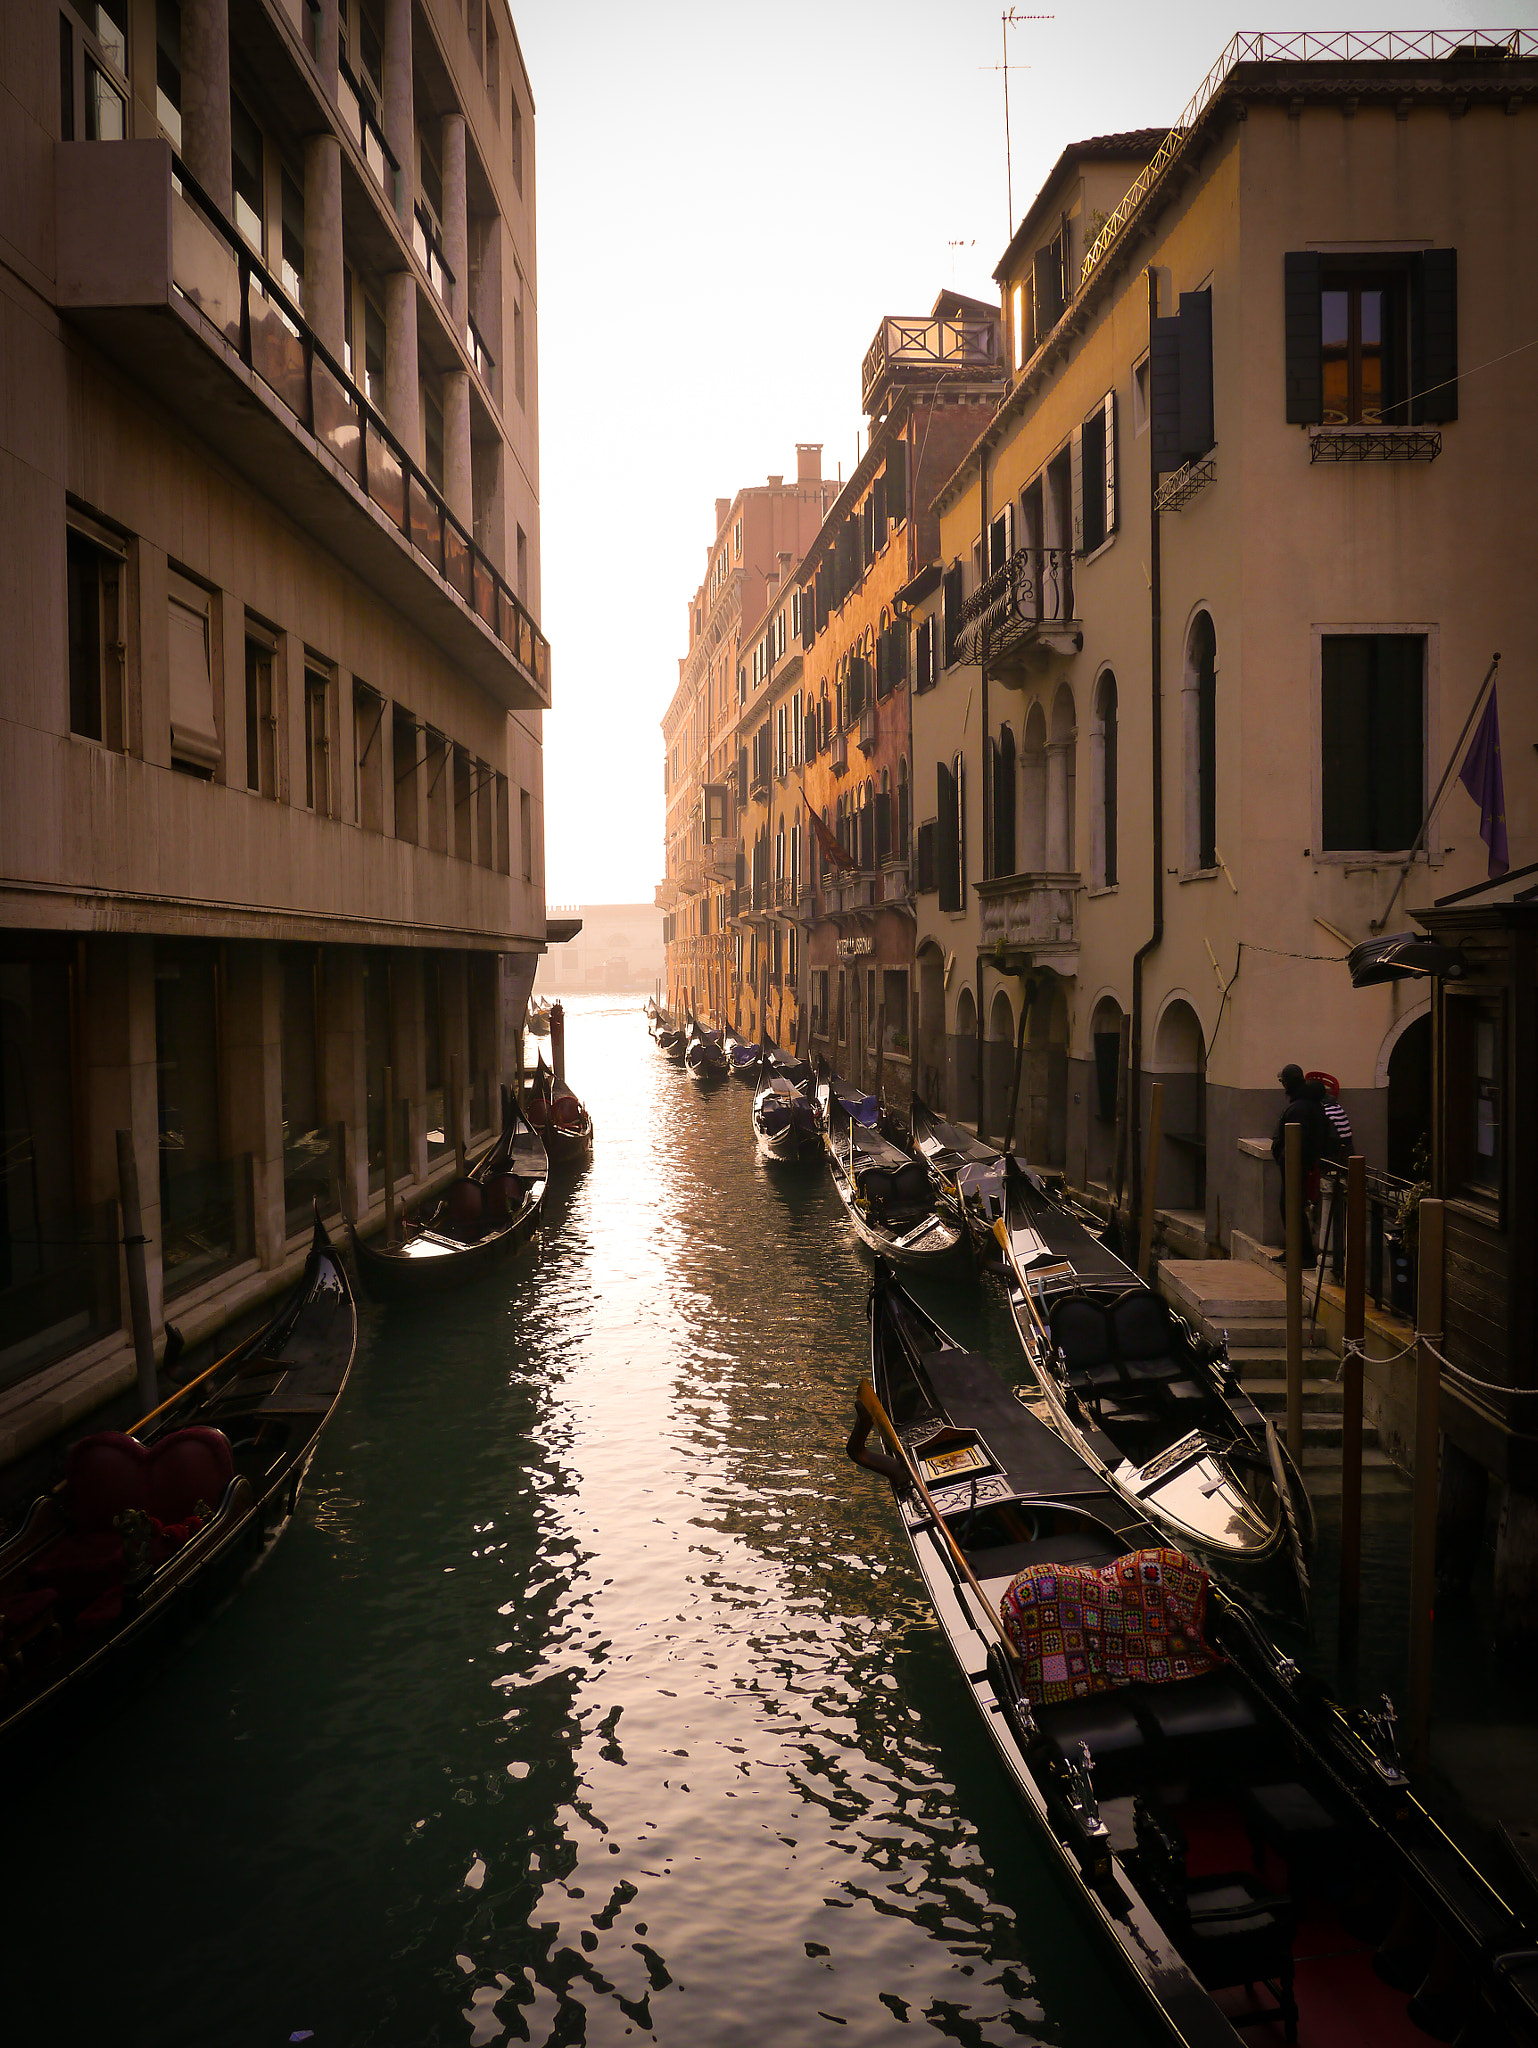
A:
[560,1118]
[538,1025]
[886,1195]
[704,1054]
[787,1123]
[744,1056]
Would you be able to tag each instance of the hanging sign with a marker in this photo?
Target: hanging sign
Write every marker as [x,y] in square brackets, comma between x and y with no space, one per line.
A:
[852,949]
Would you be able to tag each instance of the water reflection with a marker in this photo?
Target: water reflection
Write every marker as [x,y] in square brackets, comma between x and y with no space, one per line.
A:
[592,1696]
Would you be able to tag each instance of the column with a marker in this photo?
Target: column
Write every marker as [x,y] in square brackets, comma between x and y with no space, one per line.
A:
[410,1055]
[206,99]
[122,1089]
[456,220]
[454,981]
[399,116]
[1059,838]
[253,1085]
[343,1080]
[323,240]
[403,398]
[327,47]
[457,487]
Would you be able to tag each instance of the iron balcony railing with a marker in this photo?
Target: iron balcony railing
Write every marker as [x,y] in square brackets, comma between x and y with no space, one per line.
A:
[925,344]
[1032,590]
[214,270]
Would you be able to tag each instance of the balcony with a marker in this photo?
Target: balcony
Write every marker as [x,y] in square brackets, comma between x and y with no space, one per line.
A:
[1033,914]
[356,105]
[868,729]
[838,754]
[1025,607]
[427,240]
[485,362]
[666,894]
[920,350]
[720,862]
[167,290]
[690,877]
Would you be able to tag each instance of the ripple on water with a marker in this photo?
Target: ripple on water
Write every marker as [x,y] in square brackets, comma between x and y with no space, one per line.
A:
[592,1696]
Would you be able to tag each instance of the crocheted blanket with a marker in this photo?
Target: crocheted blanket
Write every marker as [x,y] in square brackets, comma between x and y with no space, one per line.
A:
[1082,1630]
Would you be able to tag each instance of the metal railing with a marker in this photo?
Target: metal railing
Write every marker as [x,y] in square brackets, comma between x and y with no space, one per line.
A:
[1304,46]
[928,343]
[214,271]
[366,132]
[1034,588]
[427,240]
[1391,1257]
[485,362]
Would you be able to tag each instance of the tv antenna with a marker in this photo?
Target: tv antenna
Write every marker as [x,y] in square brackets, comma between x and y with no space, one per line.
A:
[1011,18]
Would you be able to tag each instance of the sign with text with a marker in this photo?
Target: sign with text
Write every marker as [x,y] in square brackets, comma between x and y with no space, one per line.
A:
[852,949]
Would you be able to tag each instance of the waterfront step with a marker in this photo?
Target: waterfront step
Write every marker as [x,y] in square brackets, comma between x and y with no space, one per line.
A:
[1322,1474]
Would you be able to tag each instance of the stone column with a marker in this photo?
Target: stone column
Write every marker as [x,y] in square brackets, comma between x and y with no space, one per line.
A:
[399,111]
[206,99]
[457,487]
[410,1054]
[454,981]
[1057,806]
[456,219]
[122,1089]
[323,240]
[403,398]
[343,1078]
[253,1053]
[327,47]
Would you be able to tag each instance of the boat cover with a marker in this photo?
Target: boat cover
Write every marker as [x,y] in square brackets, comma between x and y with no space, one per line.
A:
[1083,1629]
[1036,1461]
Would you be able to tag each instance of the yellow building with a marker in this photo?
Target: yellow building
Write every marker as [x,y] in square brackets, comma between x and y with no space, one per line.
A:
[1222,579]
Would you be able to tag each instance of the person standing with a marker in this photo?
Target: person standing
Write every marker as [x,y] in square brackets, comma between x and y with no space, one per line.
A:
[1318,1134]
[1337,1151]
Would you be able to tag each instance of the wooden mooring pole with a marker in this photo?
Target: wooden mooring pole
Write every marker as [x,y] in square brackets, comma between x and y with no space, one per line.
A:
[1423,1526]
[457,1112]
[1355,1329]
[1293,1169]
[389,1155]
[138,1275]
[1150,1182]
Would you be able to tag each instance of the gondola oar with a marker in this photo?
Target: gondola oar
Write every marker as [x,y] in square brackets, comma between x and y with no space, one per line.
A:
[1006,1245]
[870,1403]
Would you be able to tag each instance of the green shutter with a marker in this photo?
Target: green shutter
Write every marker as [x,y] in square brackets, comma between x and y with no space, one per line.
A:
[1434,337]
[1302,284]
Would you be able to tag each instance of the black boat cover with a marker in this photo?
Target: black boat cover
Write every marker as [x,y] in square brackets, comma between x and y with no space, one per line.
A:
[1037,1461]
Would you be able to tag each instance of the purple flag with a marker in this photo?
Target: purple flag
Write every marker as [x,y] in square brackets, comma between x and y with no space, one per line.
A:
[1481,777]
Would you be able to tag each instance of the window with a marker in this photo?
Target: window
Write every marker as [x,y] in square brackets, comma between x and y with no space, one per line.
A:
[1095,493]
[435,770]
[1372,741]
[94,572]
[1140,396]
[432,435]
[1475,1040]
[737,541]
[1017,324]
[194,728]
[518,337]
[485,824]
[504,829]
[952,589]
[1180,383]
[526,833]
[403,751]
[949,876]
[317,741]
[168,69]
[94,97]
[291,274]
[1103,741]
[1200,724]
[464,845]
[368,715]
[894,1001]
[523,567]
[246,174]
[902,809]
[1374,342]
[373,354]
[493,68]
[261,712]
[926,647]
[1002,761]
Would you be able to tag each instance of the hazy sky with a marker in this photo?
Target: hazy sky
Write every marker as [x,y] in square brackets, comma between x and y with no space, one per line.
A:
[729,200]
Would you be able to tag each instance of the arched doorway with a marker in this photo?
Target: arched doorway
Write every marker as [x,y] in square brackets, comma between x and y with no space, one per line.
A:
[930,1052]
[1409,1100]
[1180,1062]
[1044,1080]
[999,1053]
[1105,1048]
[961,1087]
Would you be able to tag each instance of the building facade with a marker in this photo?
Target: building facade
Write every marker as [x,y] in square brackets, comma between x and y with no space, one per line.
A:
[271,811]
[1221,581]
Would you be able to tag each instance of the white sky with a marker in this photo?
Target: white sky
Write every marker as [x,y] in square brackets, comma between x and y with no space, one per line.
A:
[729,199]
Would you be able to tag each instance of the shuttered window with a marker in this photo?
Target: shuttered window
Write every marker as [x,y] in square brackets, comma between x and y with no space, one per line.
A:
[897,481]
[925,874]
[1164,393]
[194,731]
[1372,740]
[1371,340]
[1180,380]
[951,591]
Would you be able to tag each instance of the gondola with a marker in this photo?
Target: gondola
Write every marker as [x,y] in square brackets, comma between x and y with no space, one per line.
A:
[1155,1408]
[539,1017]
[467,1228]
[968,1173]
[704,1054]
[149,1527]
[560,1118]
[886,1195]
[1244,1850]
[787,1122]
[667,1035]
[743,1056]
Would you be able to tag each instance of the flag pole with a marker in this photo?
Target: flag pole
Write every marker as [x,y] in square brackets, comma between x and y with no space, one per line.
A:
[1452,762]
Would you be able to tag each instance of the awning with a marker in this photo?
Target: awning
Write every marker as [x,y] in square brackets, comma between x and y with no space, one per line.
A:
[1399,957]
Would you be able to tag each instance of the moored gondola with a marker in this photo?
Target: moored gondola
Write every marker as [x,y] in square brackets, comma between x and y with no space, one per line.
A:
[1245,1851]
[464,1231]
[742,1055]
[704,1054]
[560,1117]
[886,1195]
[968,1173]
[787,1122]
[1156,1409]
[150,1526]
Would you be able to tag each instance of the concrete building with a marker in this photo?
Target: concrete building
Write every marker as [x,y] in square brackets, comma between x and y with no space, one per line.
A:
[271,814]
[1222,579]
[757,533]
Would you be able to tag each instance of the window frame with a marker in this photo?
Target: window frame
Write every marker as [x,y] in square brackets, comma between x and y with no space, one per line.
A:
[1430,852]
[111,698]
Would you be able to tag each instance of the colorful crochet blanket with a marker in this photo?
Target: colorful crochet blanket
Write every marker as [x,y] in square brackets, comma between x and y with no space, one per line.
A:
[1080,1630]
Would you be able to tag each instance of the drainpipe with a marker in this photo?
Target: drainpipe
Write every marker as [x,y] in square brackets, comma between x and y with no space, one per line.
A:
[984,783]
[1156,740]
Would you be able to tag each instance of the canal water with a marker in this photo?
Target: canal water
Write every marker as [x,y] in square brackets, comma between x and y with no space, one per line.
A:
[590,1696]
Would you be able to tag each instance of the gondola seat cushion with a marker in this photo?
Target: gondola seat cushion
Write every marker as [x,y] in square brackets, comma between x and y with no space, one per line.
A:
[464,1203]
[504,1194]
[174,1482]
[1081,1333]
[1203,1729]
[1144,1336]
[1109,1729]
[1081,1630]
[897,1190]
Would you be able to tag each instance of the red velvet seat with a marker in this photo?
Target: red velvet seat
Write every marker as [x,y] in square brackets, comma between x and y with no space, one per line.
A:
[504,1196]
[108,1473]
[464,1204]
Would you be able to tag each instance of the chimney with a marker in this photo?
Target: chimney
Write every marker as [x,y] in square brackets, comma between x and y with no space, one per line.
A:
[809,462]
[775,482]
[723,506]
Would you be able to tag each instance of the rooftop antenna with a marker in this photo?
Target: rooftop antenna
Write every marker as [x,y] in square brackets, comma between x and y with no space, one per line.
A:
[1011,18]
[953,247]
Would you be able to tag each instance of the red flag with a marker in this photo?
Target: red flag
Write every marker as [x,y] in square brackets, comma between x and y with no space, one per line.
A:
[1481,777]
[832,852]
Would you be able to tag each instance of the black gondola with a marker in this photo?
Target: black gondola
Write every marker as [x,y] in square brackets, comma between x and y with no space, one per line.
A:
[967,1171]
[560,1118]
[704,1054]
[787,1123]
[148,1527]
[742,1055]
[886,1195]
[667,1035]
[1155,1408]
[1245,1850]
[472,1224]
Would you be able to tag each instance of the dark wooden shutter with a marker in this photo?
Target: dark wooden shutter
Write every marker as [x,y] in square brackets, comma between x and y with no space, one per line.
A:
[961,831]
[947,842]
[1434,337]
[952,594]
[1076,487]
[1164,393]
[897,481]
[925,877]
[996,833]
[897,655]
[867,838]
[1196,427]
[810,737]
[998,543]
[878,500]
[1302,284]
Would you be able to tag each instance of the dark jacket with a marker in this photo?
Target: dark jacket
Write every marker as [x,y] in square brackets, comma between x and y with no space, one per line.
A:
[1318,1137]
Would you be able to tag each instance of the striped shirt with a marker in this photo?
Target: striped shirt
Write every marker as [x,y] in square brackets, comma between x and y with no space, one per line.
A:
[1340,1123]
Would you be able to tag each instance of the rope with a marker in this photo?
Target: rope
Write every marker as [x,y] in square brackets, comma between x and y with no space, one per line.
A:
[1355,1347]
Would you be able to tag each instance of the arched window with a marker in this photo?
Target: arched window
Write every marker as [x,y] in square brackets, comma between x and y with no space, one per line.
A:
[1033,853]
[1103,748]
[1004,804]
[779,850]
[901,826]
[1199,698]
[884,819]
